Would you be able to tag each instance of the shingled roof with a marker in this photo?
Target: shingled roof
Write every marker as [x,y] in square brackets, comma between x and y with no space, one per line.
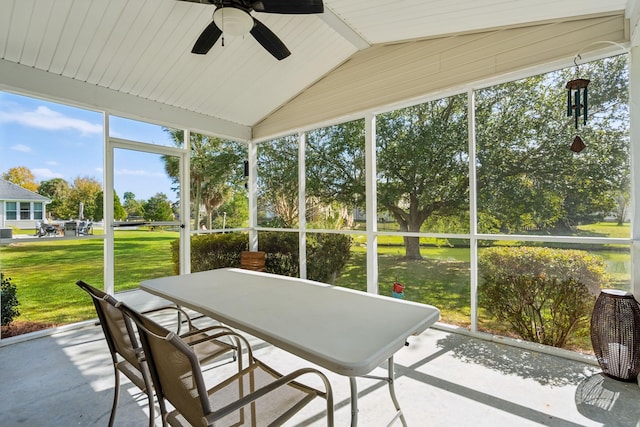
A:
[10,191]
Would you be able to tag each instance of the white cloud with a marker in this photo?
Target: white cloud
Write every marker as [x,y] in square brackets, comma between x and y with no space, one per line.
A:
[22,148]
[43,174]
[45,118]
[138,172]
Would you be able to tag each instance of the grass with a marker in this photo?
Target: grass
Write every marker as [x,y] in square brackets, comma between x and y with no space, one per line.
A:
[45,273]
[606,229]
[440,279]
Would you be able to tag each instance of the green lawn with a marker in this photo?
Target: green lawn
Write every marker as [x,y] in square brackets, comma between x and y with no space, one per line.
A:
[606,229]
[440,279]
[45,271]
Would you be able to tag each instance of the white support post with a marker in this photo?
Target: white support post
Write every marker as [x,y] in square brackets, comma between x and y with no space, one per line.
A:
[473,208]
[371,203]
[252,183]
[634,132]
[302,206]
[185,206]
[107,208]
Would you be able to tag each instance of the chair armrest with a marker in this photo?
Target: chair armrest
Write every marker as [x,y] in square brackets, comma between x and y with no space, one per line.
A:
[282,381]
[181,313]
[217,334]
[198,331]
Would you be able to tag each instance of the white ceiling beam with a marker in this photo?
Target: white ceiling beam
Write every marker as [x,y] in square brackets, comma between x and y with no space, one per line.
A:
[33,82]
[342,28]
[632,13]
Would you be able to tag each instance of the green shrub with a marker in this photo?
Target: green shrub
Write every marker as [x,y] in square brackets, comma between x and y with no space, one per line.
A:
[562,264]
[8,300]
[282,253]
[327,254]
[211,251]
[543,294]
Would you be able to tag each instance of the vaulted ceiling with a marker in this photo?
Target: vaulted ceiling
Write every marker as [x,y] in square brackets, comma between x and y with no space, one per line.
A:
[133,58]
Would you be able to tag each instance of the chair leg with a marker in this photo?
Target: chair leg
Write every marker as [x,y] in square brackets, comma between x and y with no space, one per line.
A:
[152,412]
[152,406]
[116,395]
[163,411]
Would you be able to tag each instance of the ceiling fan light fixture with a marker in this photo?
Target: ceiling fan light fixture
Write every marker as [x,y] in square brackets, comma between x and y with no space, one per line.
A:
[233,21]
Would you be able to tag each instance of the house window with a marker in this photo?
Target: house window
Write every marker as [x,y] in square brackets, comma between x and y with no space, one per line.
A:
[11,211]
[37,210]
[25,210]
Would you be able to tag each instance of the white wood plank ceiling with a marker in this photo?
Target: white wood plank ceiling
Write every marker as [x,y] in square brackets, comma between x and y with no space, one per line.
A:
[133,57]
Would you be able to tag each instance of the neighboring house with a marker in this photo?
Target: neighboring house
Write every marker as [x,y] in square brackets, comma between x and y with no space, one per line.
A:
[20,207]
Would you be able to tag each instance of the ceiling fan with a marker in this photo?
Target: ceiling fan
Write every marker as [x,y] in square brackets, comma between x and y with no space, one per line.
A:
[234,17]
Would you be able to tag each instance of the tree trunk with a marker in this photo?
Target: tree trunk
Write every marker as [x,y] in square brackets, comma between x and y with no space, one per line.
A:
[410,224]
[412,248]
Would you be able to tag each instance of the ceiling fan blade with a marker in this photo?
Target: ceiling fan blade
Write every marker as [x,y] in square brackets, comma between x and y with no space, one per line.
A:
[207,39]
[269,40]
[288,6]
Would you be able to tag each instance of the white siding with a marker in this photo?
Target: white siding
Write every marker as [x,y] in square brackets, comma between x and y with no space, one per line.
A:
[384,75]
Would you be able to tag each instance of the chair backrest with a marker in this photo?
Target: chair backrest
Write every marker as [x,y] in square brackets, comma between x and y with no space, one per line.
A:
[253,260]
[118,329]
[174,367]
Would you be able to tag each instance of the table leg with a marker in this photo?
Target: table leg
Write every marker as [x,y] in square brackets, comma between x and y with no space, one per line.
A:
[392,391]
[390,378]
[354,401]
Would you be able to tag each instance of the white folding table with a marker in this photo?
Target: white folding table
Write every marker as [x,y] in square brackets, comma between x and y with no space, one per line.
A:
[345,331]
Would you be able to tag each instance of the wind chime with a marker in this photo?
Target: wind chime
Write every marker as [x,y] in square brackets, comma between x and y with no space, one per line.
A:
[577,106]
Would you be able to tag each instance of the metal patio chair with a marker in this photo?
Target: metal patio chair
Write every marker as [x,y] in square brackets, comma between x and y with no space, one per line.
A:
[127,354]
[85,228]
[256,395]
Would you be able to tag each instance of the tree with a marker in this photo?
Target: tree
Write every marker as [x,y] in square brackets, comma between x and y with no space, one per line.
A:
[119,213]
[57,190]
[278,179]
[158,208]
[234,213]
[335,167]
[422,164]
[84,190]
[216,171]
[213,196]
[527,176]
[133,206]
[335,175]
[22,176]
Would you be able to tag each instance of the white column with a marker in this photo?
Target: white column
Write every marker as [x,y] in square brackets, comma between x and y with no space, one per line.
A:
[302,204]
[107,209]
[371,203]
[634,132]
[252,183]
[473,208]
[185,205]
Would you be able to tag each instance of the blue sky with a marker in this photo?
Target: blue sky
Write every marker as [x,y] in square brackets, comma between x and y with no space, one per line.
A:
[58,141]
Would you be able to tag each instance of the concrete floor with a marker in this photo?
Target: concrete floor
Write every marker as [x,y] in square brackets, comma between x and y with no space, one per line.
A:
[443,379]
